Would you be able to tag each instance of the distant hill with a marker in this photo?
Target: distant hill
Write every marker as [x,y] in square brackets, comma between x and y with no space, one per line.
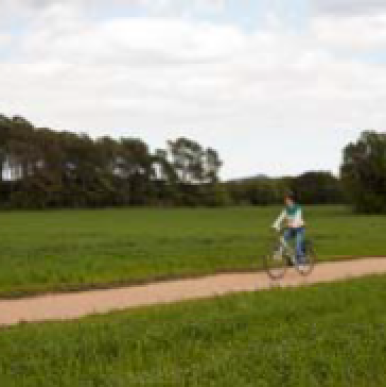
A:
[248,179]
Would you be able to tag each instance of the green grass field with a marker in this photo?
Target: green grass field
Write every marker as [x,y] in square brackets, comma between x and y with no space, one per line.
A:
[325,335]
[52,251]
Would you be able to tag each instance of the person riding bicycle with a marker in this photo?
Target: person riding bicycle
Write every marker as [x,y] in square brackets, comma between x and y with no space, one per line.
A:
[293,216]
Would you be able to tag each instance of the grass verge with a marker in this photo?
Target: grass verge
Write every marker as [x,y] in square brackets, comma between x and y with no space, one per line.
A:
[324,335]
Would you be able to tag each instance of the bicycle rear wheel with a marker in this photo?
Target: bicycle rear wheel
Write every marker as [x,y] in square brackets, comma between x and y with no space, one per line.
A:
[306,265]
[276,263]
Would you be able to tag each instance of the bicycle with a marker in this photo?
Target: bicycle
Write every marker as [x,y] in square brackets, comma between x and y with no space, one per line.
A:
[284,256]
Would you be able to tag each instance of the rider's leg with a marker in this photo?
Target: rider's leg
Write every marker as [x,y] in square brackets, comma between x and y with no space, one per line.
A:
[288,235]
[300,237]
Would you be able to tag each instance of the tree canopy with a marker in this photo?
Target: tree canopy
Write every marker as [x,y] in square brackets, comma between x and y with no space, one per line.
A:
[364,173]
[42,168]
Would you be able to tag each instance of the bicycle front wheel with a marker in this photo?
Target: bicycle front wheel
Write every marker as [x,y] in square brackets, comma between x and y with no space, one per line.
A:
[305,266]
[276,263]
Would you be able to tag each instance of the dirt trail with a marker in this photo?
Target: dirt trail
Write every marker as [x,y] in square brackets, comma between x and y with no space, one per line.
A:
[75,305]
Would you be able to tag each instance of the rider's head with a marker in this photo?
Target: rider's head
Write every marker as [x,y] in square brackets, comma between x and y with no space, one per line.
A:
[289,199]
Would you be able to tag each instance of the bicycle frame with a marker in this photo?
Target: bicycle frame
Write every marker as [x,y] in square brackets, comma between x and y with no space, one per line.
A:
[285,248]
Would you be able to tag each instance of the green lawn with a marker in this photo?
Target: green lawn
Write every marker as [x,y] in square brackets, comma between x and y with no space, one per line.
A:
[325,335]
[50,251]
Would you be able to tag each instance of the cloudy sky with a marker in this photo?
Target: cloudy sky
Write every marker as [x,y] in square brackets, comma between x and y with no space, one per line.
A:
[277,86]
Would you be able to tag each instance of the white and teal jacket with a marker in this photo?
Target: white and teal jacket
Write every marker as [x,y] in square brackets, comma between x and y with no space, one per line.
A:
[292,215]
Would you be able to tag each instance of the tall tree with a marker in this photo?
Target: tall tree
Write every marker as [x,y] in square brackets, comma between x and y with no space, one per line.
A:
[135,166]
[364,172]
[212,165]
[187,160]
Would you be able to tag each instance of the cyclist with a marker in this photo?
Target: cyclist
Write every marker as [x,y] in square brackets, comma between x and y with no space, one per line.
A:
[293,216]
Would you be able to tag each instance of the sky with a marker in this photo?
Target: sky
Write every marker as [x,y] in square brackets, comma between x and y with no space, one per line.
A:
[278,87]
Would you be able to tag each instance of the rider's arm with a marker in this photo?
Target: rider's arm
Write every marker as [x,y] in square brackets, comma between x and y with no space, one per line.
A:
[279,220]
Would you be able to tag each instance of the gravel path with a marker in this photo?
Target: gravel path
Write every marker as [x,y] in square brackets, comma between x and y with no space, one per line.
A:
[69,306]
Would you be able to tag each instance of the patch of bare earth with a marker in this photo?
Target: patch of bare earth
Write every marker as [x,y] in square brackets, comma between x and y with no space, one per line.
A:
[75,305]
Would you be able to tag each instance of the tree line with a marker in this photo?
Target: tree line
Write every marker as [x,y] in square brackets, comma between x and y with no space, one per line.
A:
[316,187]
[43,168]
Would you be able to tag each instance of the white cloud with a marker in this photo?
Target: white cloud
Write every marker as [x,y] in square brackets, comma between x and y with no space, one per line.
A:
[252,95]
[142,41]
[356,33]
[174,7]
[5,39]
[349,7]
